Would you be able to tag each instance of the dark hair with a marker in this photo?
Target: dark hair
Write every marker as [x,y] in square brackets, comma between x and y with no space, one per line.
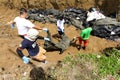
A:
[23,10]
[60,17]
[91,9]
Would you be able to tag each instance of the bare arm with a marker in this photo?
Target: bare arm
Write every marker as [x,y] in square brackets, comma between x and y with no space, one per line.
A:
[38,28]
[11,22]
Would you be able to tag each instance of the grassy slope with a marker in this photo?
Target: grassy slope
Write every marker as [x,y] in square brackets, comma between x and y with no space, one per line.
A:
[90,67]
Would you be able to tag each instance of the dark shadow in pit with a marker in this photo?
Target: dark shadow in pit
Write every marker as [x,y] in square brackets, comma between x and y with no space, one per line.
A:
[111,51]
[38,73]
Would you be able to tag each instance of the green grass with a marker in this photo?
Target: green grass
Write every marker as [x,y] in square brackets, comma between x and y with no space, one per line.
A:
[94,66]
[107,65]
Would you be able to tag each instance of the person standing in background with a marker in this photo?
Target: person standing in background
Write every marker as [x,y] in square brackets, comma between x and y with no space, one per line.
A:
[84,37]
[60,25]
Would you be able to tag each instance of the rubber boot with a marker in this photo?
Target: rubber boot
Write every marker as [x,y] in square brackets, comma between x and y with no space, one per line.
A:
[84,48]
[79,47]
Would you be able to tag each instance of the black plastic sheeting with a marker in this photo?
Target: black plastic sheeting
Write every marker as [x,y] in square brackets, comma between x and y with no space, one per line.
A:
[77,18]
[72,16]
[106,32]
[61,46]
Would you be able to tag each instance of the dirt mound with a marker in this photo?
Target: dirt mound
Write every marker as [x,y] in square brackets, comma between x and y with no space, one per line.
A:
[12,67]
[105,5]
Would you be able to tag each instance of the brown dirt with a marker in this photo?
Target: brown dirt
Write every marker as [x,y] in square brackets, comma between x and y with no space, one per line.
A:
[12,67]
[104,5]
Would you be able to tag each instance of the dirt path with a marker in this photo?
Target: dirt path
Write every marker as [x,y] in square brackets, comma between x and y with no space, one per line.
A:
[11,64]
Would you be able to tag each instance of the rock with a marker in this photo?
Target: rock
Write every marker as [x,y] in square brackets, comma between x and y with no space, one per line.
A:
[25,73]
[19,66]
[2,69]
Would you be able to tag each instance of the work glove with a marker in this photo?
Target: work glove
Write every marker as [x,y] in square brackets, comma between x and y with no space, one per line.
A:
[25,59]
[12,25]
[47,39]
[45,29]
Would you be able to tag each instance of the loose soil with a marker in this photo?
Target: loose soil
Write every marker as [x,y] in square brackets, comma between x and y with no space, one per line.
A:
[12,67]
